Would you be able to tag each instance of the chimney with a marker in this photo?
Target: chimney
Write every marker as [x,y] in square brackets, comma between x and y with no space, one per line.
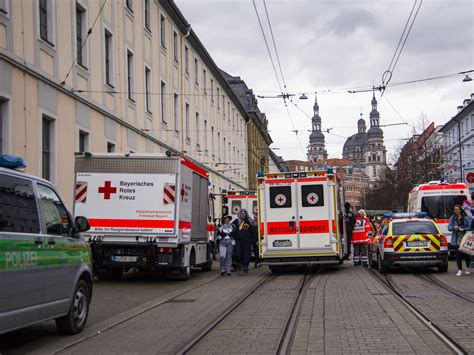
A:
[466,102]
[460,108]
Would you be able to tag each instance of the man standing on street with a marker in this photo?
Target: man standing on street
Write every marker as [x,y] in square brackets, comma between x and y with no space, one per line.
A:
[360,238]
[244,235]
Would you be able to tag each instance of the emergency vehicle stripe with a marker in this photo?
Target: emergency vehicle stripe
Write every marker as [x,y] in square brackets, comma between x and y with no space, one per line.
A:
[194,167]
[280,181]
[185,225]
[131,223]
[311,179]
[433,239]
[444,187]
[314,227]
[441,221]
[168,194]
[81,192]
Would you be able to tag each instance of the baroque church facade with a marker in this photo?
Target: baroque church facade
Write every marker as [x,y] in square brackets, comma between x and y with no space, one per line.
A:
[365,148]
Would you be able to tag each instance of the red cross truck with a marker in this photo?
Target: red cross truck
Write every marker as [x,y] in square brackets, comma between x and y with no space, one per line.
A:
[300,219]
[146,211]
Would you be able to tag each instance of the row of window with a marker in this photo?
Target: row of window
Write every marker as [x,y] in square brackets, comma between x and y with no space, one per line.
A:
[452,136]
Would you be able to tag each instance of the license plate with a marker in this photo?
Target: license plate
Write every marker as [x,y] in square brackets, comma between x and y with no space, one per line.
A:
[417,244]
[124,259]
[282,243]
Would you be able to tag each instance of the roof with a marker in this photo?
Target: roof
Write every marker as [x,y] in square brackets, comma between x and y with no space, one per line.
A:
[373,131]
[356,140]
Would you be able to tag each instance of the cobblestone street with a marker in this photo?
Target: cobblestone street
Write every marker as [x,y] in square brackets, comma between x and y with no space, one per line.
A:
[345,311]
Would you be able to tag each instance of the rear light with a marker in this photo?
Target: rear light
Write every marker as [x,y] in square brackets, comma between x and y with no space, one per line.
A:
[444,241]
[388,242]
[164,250]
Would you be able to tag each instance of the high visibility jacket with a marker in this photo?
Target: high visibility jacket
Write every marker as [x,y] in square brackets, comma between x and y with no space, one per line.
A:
[362,226]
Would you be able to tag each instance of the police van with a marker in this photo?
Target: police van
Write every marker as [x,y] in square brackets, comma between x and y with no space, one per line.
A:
[45,265]
[299,215]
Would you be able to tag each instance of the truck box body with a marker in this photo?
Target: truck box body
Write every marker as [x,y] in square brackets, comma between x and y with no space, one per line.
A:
[143,205]
[299,218]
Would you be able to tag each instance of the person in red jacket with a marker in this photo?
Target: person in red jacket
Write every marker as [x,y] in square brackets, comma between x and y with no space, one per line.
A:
[360,238]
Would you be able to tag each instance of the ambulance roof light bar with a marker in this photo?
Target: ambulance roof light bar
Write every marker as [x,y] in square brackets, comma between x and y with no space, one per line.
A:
[12,162]
[405,215]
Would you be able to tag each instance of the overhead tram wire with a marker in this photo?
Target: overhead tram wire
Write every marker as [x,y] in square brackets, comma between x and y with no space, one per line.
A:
[89,32]
[266,44]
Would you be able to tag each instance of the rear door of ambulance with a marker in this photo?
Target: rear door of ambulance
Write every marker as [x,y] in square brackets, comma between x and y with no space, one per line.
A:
[279,217]
[316,215]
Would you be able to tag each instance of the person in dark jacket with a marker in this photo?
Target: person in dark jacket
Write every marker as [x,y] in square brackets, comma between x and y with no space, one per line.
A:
[225,236]
[349,220]
[244,236]
[459,223]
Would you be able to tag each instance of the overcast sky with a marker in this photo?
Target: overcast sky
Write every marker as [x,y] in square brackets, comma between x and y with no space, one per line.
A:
[332,44]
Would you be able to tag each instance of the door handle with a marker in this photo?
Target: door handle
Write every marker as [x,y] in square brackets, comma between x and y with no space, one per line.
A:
[52,242]
[38,241]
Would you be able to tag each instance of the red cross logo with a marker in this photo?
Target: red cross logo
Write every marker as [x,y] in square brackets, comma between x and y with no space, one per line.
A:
[107,190]
[280,199]
[312,198]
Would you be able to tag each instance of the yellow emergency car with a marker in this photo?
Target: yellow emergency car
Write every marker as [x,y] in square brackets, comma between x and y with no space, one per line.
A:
[408,239]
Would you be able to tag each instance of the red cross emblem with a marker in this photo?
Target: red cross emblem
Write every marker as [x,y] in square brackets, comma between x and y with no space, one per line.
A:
[107,190]
[312,198]
[280,199]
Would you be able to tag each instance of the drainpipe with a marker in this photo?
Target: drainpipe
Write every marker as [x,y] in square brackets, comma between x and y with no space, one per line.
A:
[181,91]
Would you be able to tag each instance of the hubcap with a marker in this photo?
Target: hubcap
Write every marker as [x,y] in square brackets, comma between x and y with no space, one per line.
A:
[80,307]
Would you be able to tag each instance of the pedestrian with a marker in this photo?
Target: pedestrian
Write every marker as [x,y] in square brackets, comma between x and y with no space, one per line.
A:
[459,224]
[360,238]
[225,236]
[254,245]
[244,236]
[349,220]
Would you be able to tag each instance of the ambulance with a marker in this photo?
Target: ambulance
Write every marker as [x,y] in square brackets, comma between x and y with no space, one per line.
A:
[234,201]
[437,199]
[146,211]
[300,219]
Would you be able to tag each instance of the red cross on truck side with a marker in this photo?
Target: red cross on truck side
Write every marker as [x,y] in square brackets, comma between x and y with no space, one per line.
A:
[107,190]
[280,199]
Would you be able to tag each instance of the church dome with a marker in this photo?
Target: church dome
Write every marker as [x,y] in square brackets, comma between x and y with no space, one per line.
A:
[316,136]
[374,132]
[355,143]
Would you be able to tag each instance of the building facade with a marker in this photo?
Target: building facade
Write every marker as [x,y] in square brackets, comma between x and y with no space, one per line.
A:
[258,138]
[367,149]
[458,142]
[141,81]
[316,148]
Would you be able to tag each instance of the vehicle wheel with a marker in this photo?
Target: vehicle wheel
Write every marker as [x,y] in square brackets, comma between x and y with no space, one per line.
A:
[382,268]
[207,266]
[185,273]
[372,263]
[76,319]
[111,274]
[443,267]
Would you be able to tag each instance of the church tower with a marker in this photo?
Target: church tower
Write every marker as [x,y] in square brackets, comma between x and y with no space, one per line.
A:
[375,158]
[316,148]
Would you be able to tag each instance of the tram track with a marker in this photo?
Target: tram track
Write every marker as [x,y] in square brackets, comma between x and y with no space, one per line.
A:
[445,287]
[444,336]
[285,338]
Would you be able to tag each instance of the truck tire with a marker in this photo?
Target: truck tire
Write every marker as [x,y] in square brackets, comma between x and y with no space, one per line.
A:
[76,319]
[185,273]
[207,266]
[110,274]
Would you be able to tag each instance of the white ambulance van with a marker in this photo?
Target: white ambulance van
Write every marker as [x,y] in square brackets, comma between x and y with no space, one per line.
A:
[146,211]
[300,219]
[234,201]
[437,199]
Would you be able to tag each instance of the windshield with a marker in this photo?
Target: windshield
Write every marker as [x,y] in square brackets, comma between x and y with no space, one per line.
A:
[441,207]
[414,227]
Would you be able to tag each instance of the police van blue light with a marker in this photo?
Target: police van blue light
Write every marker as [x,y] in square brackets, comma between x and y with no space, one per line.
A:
[406,215]
[12,162]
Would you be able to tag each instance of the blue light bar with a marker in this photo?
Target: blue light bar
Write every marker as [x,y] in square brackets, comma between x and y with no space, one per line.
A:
[12,162]
[405,215]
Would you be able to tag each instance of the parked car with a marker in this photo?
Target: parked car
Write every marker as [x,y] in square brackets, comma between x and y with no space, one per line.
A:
[408,239]
[45,266]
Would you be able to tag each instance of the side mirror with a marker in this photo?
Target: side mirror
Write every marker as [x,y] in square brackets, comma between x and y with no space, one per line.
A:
[82,224]
[370,234]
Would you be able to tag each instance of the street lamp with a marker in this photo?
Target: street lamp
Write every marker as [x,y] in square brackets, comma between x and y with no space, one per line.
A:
[467,78]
